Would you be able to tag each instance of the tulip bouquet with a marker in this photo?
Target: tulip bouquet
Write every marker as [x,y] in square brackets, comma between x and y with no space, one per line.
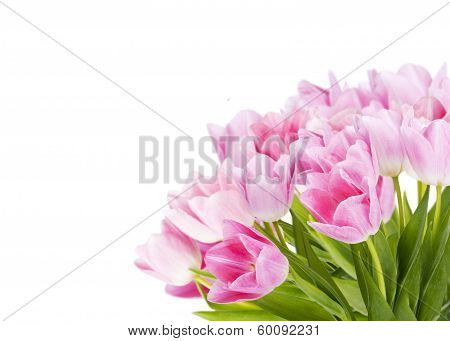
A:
[306,219]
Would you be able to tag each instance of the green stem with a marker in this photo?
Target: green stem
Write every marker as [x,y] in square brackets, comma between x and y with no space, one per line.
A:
[378,268]
[437,210]
[269,229]
[420,190]
[202,281]
[400,203]
[202,273]
[279,234]
[261,230]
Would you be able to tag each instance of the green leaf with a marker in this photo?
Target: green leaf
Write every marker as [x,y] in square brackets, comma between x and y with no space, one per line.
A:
[435,289]
[339,252]
[392,232]
[388,263]
[351,291]
[304,249]
[288,302]
[377,307]
[445,205]
[240,315]
[300,211]
[410,253]
[317,295]
[323,254]
[440,241]
[403,311]
[408,291]
[410,241]
[407,208]
[306,272]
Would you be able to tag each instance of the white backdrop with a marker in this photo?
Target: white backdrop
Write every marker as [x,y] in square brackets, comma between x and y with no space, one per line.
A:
[69,138]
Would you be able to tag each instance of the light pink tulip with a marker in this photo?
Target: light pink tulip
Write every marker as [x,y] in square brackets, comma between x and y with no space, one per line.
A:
[334,108]
[247,265]
[200,211]
[236,140]
[315,153]
[268,186]
[428,150]
[413,85]
[169,256]
[349,201]
[385,141]
[274,134]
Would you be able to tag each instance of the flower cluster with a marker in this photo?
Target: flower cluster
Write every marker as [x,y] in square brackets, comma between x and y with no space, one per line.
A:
[336,151]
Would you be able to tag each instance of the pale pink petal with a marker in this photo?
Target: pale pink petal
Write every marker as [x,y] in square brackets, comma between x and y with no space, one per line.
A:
[386,195]
[223,205]
[220,293]
[354,211]
[420,154]
[346,234]
[193,227]
[271,267]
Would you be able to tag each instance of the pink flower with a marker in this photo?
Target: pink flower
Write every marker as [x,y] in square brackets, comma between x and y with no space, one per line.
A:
[236,139]
[349,201]
[268,186]
[247,265]
[334,108]
[315,153]
[413,85]
[185,291]
[199,212]
[274,134]
[385,141]
[169,256]
[428,150]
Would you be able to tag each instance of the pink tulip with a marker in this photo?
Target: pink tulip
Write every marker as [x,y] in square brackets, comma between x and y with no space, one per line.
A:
[429,108]
[413,85]
[385,141]
[349,201]
[236,140]
[407,86]
[274,133]
[169,256]
[185,291]
[314,153]
[428,150]
[247,265]
[200,211]
[268,186]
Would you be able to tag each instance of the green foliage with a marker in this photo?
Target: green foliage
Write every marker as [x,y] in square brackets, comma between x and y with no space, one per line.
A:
[330,280]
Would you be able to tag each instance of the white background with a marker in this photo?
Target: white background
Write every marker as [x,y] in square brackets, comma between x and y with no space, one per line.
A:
[69,138]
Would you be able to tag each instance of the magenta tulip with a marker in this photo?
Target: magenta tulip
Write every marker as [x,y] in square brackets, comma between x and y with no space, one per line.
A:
[349,201]
[246,265]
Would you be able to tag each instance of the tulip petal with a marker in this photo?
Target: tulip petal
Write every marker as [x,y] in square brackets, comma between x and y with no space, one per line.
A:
[220,293]
[193,227]
[346,234]
[185,291]
[271,267]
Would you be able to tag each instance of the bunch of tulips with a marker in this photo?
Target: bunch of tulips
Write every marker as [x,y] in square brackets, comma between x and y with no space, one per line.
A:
[306,219]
